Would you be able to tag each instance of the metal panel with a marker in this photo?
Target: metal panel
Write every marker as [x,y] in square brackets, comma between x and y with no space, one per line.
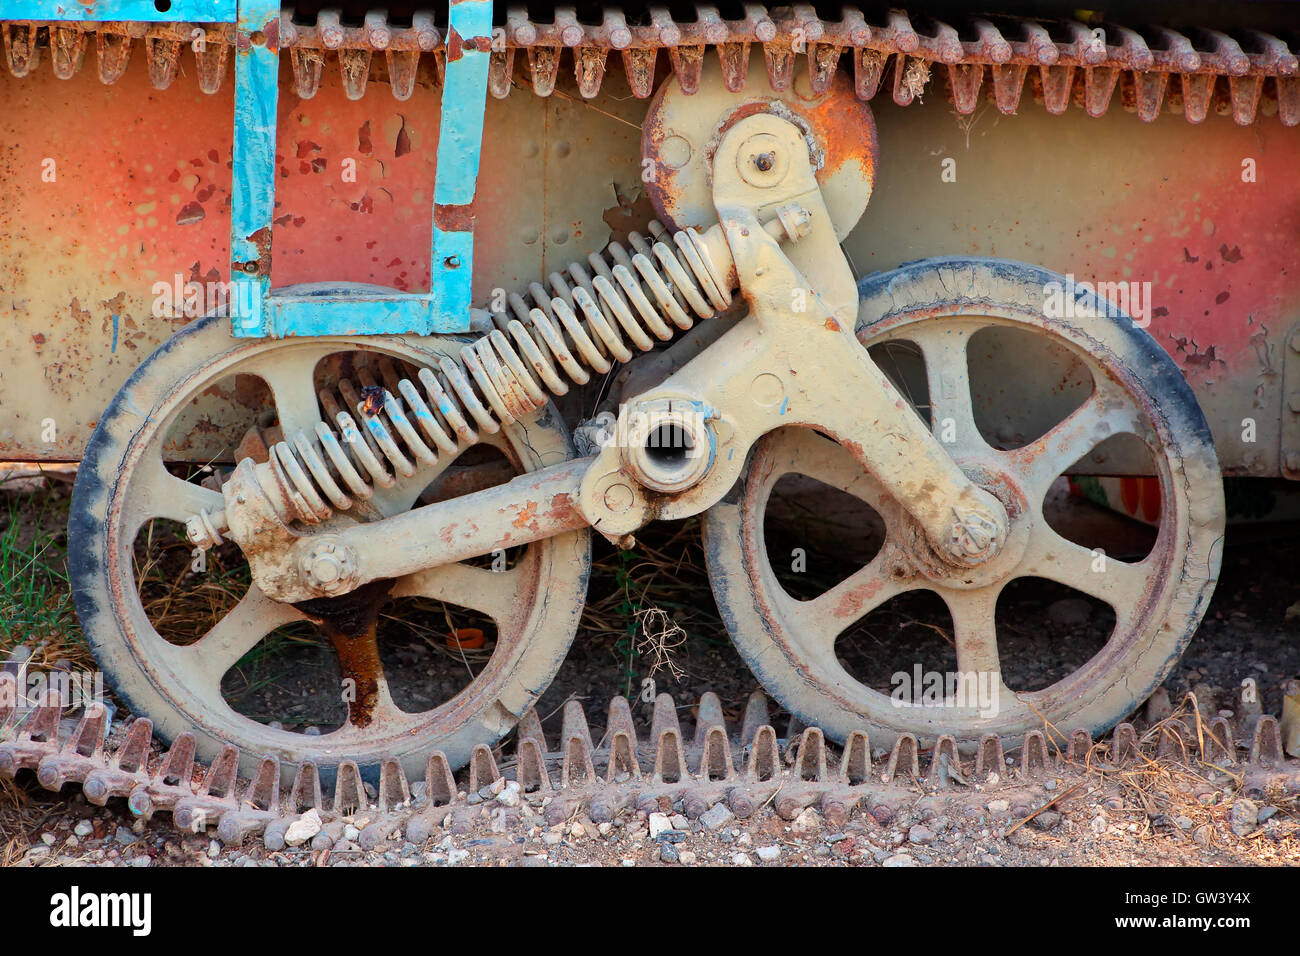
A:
[151,11]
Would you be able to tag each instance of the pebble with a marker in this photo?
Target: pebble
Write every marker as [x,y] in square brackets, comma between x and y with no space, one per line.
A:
[680,822]
[1244,816]
[509,795]
[687,858]
[457,856]
[351,833]
[717,816]
[668,853]
[999,806]
[303,829]
[899,859]
[124,835]
[742,859]
[48,839]
[84,828]
[659,823]
[920,834]
[806,822]
[1069,612]
[1047,820]
[551,838]
[214,850]
[769,854]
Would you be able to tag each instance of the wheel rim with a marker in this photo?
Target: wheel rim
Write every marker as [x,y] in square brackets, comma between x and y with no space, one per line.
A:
[793,648]
[190,676]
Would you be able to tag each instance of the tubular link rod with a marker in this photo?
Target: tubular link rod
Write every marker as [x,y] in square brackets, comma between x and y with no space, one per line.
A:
[621,302]
[744,769]
[1064,61]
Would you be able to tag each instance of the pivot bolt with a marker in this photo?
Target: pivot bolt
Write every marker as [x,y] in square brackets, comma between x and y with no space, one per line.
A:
[328,565]
[974,535]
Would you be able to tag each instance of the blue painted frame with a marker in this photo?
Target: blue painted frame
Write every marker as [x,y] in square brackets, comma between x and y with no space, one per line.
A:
[254,310]
[183,11]
[257,312]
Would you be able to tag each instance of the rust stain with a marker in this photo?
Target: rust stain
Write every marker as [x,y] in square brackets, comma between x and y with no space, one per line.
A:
[349,621]
[454,218]
[527,517]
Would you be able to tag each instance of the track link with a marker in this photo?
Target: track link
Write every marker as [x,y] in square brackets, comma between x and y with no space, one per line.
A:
[745,768]
[1245,75]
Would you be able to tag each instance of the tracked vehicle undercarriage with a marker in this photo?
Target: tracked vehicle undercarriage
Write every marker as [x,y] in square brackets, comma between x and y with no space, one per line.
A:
[734,339]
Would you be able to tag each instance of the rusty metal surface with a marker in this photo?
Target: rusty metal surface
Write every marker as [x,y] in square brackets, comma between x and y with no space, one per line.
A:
[742,768]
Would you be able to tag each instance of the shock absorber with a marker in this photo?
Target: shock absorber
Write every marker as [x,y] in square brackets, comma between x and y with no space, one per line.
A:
[591,316]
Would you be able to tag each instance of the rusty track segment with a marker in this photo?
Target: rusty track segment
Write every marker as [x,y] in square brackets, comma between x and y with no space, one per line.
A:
[1065,62]
[745,770]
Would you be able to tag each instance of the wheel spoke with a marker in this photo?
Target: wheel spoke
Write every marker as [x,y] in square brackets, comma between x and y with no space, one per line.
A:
[803,451]
[290,377]
[243,627]
[493,593]
[1106,412]
[1120,584]
[975,630]
[160,494]
[829,614]
[952,417]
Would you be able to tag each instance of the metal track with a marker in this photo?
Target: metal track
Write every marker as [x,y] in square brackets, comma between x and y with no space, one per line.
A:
[744,769]
[1244,75]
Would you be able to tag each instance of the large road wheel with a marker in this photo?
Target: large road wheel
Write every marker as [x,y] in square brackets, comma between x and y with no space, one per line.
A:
[127,509]
[1127,387]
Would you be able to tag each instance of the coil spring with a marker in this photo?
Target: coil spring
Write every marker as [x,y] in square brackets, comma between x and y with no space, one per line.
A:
[576,328]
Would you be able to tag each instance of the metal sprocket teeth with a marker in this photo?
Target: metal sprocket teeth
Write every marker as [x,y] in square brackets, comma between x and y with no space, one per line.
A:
[1155,69]
[744,769]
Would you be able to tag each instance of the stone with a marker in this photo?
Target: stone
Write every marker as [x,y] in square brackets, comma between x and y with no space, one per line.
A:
[1047,820]
[899,859]
[999,806]
[1244,816]
[717,816]
[920,834]
[214,850]
[303,829]
[351,833]
[509,795]
[668,853]
[687,857]
[84,828]
[769,854]
[124,835]
[742,859]
[1070,612]
[659,823]
[48,839]
[457,856]
[808,821]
